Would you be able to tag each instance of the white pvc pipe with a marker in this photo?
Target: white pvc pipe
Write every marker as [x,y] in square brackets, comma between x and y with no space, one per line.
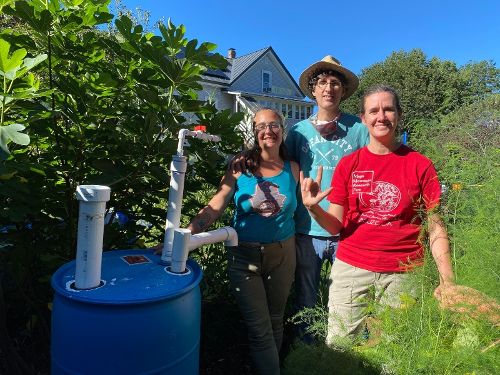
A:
[176,190]
[184,242]
[225,234]
[92,208]
[174,208]
[183,133]
[180,250]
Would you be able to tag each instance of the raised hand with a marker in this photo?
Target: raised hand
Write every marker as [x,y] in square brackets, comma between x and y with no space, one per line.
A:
[311,189]
[239,163]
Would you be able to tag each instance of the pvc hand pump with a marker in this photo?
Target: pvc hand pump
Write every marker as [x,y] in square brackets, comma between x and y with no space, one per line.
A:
[176,190]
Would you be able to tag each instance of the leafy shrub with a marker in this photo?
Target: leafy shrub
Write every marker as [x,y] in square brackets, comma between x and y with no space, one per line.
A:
[111,107]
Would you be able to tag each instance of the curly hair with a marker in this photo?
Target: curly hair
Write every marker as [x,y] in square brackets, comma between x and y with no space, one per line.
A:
[321,73]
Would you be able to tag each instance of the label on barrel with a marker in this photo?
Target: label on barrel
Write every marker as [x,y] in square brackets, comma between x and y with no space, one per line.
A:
[135,259]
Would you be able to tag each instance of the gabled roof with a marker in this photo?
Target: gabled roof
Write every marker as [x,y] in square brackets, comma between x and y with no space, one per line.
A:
[239,65]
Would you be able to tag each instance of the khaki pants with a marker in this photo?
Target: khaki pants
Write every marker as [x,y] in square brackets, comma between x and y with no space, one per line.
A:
[352,289]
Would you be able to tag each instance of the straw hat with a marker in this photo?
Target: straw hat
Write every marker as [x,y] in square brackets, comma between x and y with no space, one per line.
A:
[328,63]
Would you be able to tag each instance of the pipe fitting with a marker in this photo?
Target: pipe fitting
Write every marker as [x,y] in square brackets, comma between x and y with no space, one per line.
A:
[184,242]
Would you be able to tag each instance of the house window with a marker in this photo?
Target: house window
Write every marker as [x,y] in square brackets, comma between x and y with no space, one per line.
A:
[283,110]
[302,112]
[267,81]
[290,111]
[308,112]
[297,109]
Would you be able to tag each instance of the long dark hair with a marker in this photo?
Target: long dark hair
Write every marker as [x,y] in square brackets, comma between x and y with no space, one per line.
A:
[252,156]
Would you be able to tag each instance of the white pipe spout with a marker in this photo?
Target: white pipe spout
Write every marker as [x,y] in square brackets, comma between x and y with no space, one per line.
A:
[184,242]
[176,191]
[92,208]
[183,133]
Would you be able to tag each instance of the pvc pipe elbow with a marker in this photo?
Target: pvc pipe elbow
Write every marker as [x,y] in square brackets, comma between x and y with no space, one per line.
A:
[232,237]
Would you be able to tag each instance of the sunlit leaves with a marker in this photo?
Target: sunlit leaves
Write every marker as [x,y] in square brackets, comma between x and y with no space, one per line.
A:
[12,133]
[18,84]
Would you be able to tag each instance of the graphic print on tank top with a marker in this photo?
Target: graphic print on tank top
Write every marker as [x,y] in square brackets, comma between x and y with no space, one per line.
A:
[267,200]
[379,197]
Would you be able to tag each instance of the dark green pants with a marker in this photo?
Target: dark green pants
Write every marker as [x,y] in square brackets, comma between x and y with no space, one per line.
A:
[260,277]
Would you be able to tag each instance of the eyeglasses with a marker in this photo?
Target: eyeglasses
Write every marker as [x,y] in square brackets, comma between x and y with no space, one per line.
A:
[271,125]
[334,83]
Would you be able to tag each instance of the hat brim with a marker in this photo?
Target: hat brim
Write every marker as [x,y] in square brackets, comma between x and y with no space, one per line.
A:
[352,80]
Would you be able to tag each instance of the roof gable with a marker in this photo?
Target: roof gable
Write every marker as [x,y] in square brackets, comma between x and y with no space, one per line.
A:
[238,66]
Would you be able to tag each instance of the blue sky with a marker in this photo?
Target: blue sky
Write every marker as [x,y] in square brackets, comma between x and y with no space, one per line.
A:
[358,32]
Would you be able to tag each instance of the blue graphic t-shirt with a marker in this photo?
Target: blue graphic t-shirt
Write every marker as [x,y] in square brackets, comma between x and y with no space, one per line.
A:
[310,149]
[265,206]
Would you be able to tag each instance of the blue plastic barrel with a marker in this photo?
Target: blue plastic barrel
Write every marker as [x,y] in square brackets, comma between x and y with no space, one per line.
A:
[141,320]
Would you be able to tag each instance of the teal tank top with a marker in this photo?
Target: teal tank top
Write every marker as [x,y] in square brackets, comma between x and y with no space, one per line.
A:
[265,206]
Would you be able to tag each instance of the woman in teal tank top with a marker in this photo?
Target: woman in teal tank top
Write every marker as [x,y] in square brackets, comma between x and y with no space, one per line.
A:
[261,268]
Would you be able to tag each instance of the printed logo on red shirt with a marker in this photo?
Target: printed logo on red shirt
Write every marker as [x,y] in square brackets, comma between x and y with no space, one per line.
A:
[362,182]
[385,197]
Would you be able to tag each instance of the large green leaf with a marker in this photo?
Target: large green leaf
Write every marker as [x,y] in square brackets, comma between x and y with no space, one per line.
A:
[12,133]
[10,65]
[30,63]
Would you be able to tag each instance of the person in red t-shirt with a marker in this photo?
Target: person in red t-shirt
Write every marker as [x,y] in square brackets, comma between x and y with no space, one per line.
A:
[380,197]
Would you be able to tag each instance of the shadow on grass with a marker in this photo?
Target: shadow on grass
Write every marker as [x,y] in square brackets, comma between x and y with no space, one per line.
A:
[224,348]
[321,359]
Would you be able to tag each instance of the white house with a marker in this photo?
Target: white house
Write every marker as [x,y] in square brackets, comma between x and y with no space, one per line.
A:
[257,79]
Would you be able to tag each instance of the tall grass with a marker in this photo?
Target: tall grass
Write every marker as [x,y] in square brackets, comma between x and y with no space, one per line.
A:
[422,338]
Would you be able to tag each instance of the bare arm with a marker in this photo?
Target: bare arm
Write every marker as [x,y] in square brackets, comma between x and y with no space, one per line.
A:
[330,220]
[216,206]
[440,248]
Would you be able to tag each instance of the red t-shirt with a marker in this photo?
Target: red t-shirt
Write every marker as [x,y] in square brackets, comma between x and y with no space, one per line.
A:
[384,199]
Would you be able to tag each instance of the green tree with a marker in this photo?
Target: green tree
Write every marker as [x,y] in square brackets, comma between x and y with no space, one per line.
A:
[114,104]
[18,85]
[429,89]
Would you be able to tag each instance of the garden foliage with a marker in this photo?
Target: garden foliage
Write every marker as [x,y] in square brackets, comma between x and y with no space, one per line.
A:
[81,105]
[423,338]
[89,98]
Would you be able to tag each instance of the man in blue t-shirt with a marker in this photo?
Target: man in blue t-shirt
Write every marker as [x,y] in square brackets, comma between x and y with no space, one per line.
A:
[320,140]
